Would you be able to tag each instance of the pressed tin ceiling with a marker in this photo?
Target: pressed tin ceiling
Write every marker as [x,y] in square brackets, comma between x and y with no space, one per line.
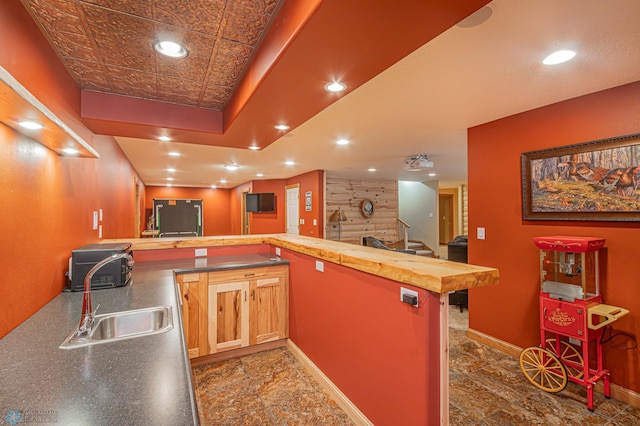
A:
[106,45]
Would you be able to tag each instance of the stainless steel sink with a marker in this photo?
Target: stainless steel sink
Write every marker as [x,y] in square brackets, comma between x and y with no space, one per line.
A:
[123,325]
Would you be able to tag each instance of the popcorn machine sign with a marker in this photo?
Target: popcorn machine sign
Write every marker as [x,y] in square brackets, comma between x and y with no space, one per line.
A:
[561,318]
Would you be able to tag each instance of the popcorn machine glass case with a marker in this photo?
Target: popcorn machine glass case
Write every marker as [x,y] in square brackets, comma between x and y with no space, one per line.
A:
[572,316]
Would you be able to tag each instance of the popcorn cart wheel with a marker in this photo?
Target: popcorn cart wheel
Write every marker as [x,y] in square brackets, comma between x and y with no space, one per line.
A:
[572,317]
[544,369]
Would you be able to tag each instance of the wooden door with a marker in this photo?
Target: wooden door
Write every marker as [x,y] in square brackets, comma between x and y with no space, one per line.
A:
[193,291]
[228,316]
[445,212]
[268,309]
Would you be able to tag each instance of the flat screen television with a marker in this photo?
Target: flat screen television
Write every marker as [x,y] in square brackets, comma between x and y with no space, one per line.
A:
[264,202]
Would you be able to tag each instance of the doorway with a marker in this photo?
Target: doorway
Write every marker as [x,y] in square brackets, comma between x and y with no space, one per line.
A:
[293,209]
[138,213]
[445,217]
[246,227]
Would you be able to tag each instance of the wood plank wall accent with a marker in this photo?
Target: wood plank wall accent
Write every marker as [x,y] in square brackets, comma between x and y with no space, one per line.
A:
[347,194]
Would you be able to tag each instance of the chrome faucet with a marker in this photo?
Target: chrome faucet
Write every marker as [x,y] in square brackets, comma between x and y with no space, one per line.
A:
[86,320]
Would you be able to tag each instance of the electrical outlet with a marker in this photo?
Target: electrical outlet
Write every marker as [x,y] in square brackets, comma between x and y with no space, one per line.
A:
[481,234]
[409,296]
[95,220]
[319,266]
[201,252]
[277,251]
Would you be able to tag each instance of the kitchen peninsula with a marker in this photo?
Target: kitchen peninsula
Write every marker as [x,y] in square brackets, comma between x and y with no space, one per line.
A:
[346,318]
[345,315]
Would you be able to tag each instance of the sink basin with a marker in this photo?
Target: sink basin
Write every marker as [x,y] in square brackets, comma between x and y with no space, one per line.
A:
[123,325]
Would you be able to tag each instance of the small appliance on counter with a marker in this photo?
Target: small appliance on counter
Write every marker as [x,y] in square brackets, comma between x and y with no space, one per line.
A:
[114,274]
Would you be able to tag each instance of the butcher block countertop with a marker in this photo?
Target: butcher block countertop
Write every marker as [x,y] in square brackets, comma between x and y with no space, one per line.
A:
[436,275]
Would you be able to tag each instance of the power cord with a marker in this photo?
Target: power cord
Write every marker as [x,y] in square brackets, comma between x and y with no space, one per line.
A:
[619,340]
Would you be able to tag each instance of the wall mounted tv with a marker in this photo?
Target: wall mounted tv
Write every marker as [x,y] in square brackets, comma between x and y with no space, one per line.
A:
[264,202]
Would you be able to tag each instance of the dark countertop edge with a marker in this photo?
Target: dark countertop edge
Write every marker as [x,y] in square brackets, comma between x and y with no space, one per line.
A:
[229,267]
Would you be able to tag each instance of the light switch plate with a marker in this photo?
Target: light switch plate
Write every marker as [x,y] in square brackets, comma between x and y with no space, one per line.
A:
[95,220]
[277,251]
[319,266]
[481,234]
[100,231]
[100,215]
[315,222]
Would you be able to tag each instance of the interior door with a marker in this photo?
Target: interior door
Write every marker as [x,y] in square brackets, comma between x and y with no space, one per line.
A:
[293,210]
[445,212]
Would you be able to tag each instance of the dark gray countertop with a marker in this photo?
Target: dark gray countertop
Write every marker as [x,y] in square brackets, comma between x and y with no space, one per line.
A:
[144,380]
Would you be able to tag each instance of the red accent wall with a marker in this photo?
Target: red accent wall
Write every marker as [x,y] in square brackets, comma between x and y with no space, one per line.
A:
[48,200]
[509,310]
[215,202]
[314,182]
[380,352]
[270,223]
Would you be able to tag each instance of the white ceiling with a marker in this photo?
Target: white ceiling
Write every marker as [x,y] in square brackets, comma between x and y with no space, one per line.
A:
[426,102]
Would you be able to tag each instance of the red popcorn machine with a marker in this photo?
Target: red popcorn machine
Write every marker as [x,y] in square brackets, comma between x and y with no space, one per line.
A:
[572,317]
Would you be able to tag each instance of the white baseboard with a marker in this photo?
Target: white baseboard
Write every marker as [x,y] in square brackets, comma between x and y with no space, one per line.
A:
[617,392]
[341,399]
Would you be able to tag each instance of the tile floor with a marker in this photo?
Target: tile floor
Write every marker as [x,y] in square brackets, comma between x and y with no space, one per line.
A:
[486,388]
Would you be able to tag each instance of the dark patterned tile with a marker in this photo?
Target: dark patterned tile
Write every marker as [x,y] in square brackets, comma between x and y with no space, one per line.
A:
[459,418]
[560,409]
[508,383]
[306,408]
[629,416]
[457,337]
[473,399]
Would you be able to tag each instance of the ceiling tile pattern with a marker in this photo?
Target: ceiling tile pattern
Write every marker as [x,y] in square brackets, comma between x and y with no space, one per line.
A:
[106,45]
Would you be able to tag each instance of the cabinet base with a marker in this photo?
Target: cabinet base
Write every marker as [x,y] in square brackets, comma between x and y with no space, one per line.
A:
[235,353]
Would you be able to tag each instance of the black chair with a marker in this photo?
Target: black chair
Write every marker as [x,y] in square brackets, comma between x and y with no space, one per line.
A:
[457,252]
[376,243]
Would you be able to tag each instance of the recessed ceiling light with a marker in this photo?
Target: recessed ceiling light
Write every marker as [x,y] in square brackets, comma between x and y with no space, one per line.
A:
[164,138]
[170,48]
[289,163]
[70,151]
[169,185]
[431,174]
[282,127]
[342,142]
[231,167]
[259,174]
[169,178]
[335,87]
[559,57]
[171,170]
[254,148]
[31,125]
[174,154]
[213,187]
[223,181]
[371,169]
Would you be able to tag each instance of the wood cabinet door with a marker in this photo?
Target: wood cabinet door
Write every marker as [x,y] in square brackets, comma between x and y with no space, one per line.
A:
[193,291]
[228,315]
[269,306]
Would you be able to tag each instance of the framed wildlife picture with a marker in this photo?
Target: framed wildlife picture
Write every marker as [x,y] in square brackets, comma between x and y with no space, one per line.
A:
[595,180]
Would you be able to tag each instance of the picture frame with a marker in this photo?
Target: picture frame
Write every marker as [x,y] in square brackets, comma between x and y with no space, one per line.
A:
[589,181]
[307,201]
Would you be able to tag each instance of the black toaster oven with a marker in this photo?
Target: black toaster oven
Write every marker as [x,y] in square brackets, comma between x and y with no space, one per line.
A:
[113,274]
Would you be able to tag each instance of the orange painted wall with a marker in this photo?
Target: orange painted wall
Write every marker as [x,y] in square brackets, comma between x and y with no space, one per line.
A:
[48,200]
[509,310]
[270,223]
[215,202]
[380,352]
[314,182]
